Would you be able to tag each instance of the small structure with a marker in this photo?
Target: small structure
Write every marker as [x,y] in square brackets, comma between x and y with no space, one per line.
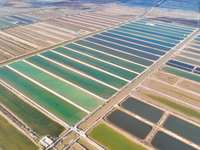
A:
[46,141]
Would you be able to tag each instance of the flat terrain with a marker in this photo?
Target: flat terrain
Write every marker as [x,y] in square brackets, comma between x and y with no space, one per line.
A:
[111,139]
[100,74]
[37,121]
[12,138]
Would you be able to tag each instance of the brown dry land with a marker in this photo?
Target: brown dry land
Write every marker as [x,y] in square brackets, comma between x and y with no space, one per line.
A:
[76,146]
[66,140]
[59,22]
[103,18]
[11,48]
[75,25]
[172,91]
[61,33]
[66,31]
[171,79]
[17,43]
[32,33]
[89,21]
[81,22]
[84,23]
[38,33]
[27,37]
[189,85]
[195,42]
[85,144]
[99,19]
[49,33]
[121,12]
[45,13]
[5,55]
[107,14]
[156,17]
[178,81]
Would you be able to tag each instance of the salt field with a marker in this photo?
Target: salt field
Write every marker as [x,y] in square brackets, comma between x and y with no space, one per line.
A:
[111,139]
[183,128]
[100,75]
[129,124]
[142,109]
[162,140]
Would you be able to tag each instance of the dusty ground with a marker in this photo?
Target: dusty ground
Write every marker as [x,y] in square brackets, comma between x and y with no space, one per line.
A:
[85,144]
[100,18]
[66,140]
[20,129]
[27,37]
[171,79]
[171,19]
[178,81]
[77,146]
[173,91]
[192,86]
[41,35]
[90,21]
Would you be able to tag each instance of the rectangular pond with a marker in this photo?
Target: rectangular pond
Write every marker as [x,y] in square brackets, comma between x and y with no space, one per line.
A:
[150,32]
[157,29]
[116,53]
[54,104]
[181,73]
[105,57]
[146,35]
[67,90]
[163,141]
[84,82]
[183,128]
[142,109]
[129,124]
[145,38]
[123,48]
[97,63]
[87,70]
[149,44]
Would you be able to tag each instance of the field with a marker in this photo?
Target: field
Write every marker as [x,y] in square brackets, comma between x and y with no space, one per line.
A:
[163,92]
[66,140]
[162,140]
[77,146]
[60,108]
[102,74]
[37,121]
[11,138]
[172,91]
[111,139]
[73,77]
[185,110]
[85,144]
[113,81]
[34,35]
[76,64]
[86,100]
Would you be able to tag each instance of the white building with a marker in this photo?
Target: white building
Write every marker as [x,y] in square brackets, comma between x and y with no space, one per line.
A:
[46,141]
